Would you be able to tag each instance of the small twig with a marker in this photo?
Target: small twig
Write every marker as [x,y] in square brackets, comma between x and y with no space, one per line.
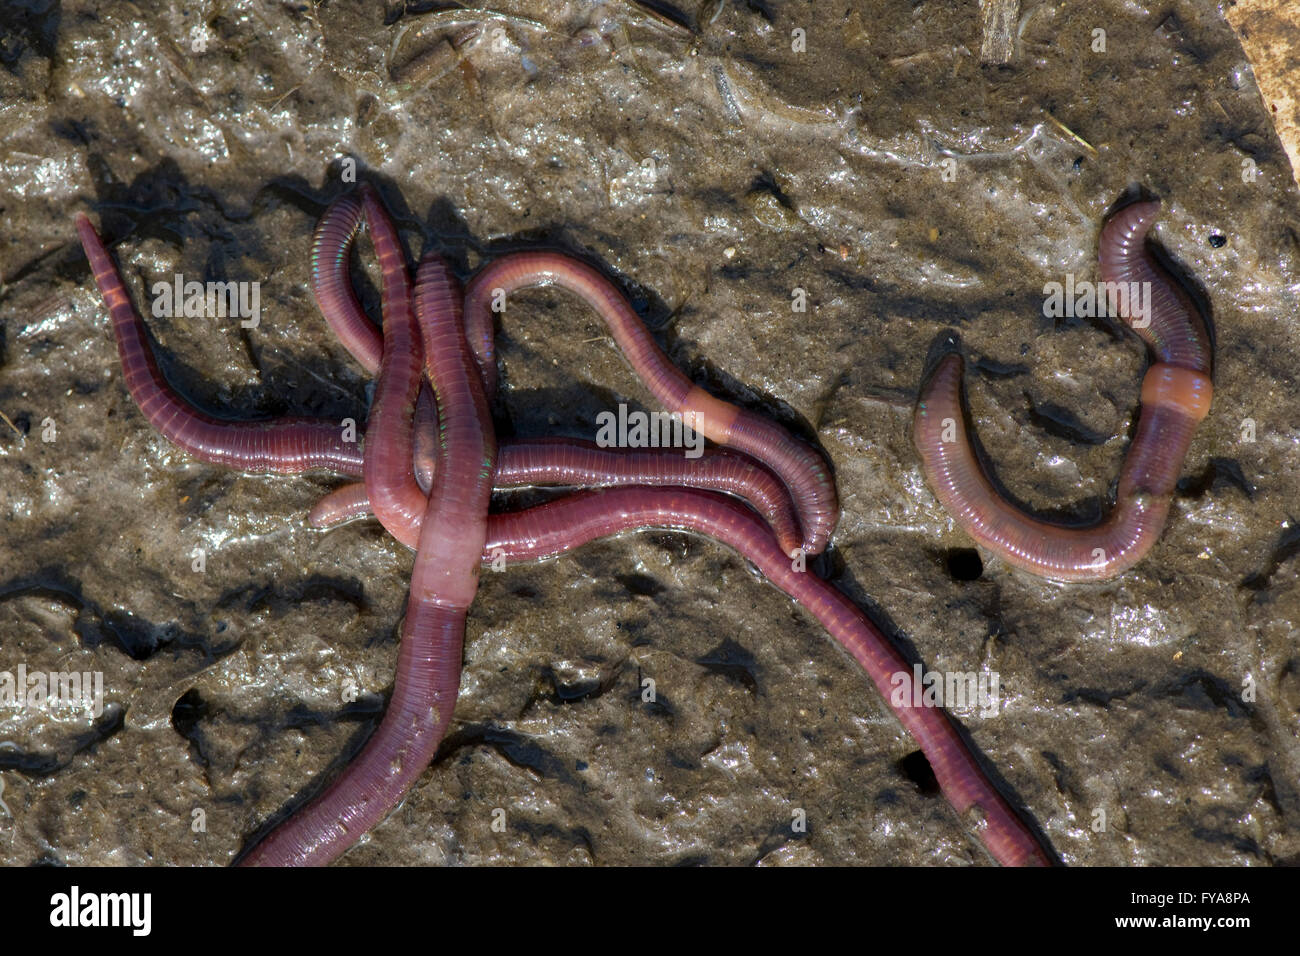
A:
[1070,133]
[17,430]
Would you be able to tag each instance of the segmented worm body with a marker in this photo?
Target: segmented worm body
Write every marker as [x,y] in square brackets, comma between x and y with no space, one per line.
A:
[1176,395]
[286,446]
[551,529]
[561,461]
[391,487]
[540,462]
[800,466]
[332,285]
[443,585]
[1173,329]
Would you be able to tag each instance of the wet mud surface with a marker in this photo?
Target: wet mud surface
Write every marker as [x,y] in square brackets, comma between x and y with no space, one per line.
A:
[713,170]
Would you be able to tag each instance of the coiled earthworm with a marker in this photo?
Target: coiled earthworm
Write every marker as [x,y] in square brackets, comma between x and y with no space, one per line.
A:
[287,446]
[553,528]
[1176,396]
[566,461]
[804,471]
[443,584]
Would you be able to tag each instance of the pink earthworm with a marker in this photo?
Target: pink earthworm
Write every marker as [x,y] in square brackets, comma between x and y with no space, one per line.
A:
[345,503]
[802,468]
[1172,327]
[332,285]
[338,303]
[391,486]
[1176,396]
[565,461]
[287,446]
[443,585]
[561,461]
[547,530]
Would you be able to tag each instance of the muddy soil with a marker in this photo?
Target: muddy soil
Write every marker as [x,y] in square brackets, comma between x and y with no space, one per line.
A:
[714,161]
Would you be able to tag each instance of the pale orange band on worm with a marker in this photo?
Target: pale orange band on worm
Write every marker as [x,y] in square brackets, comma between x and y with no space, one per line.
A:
[709,416]
[1169,386]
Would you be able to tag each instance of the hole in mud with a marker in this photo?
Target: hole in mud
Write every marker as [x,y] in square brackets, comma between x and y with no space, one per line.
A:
[640,584]
[189,709]
[917,769]
[964,564]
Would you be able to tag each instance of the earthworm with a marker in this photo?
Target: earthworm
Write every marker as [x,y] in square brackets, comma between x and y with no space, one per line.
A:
[567,461]
[443,584]
[1173,330]
[332,285]
[560,461]
[338,303]
[287,446]
[1176,396]
[345,503]
[391,487]
[804,471]
[551,529]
